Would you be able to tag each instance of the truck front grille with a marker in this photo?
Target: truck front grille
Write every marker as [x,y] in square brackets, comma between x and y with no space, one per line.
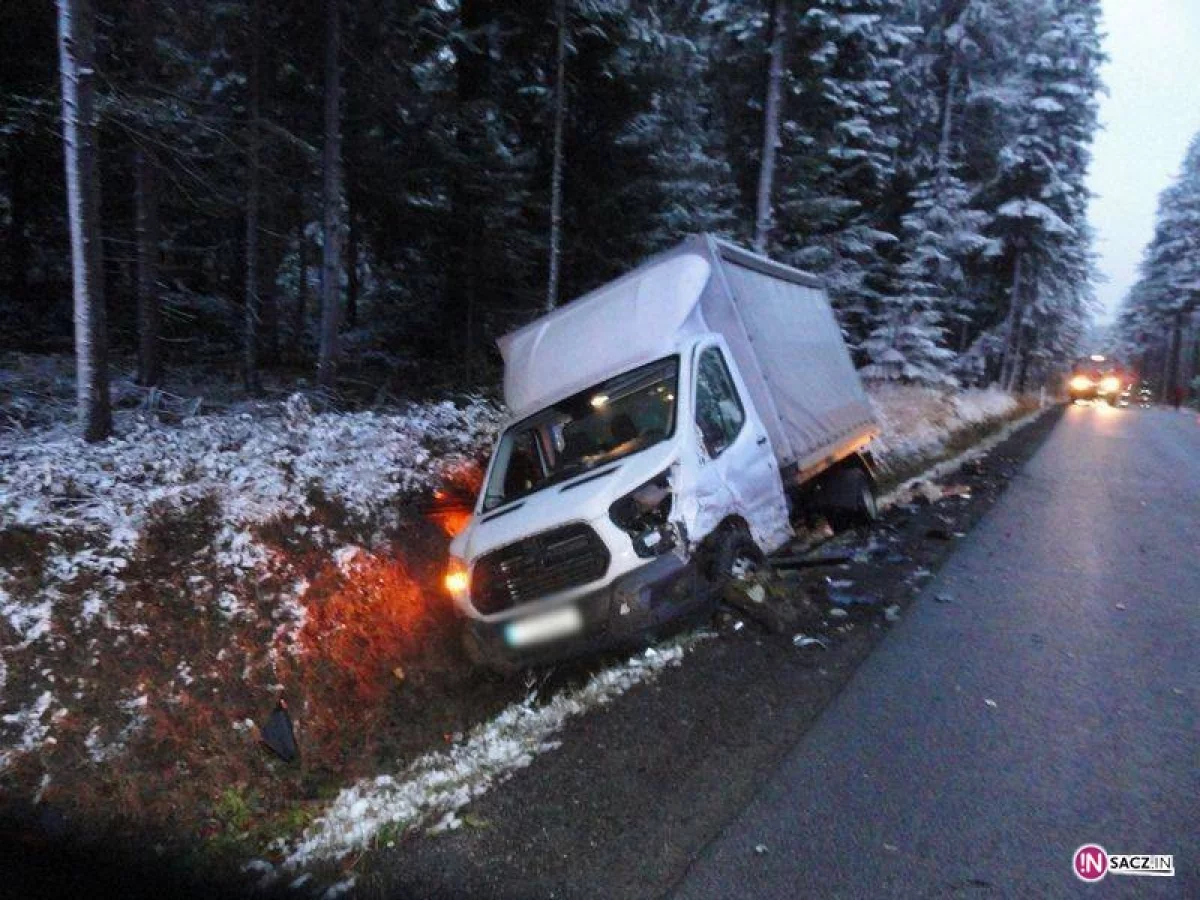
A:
[536,566]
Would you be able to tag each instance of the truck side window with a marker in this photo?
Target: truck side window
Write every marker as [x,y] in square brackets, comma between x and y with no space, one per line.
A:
[719,411]
[524,467]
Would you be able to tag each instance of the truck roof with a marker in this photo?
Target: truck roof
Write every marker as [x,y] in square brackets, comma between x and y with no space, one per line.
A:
[777,322]
[636,319]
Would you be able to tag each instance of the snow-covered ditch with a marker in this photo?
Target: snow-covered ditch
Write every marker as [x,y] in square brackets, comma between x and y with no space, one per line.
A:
[434,787]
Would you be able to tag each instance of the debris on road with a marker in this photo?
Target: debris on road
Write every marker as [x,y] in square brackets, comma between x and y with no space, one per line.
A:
[760,849]
[811,562]
[804,640]
[892,613]
[838,598]
[990,702]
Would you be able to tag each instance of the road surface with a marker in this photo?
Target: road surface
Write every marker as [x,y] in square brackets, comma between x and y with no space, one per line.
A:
[1050,700]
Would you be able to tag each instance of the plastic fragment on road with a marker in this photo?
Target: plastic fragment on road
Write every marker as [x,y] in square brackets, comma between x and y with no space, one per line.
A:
[1121,606]
[760,849]
[990,702]
[840,599]
[804,640]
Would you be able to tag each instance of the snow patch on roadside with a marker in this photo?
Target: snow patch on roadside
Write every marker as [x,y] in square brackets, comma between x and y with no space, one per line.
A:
[439,783]
[903,492]
[918,421]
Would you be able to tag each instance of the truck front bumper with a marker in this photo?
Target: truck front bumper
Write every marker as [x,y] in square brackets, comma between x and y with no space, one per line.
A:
[620,614]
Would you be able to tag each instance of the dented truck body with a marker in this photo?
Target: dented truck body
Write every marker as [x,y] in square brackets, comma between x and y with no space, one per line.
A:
[693,398]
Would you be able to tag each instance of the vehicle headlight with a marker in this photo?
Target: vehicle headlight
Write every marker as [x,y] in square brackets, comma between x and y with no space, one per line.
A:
[1081,383]
[458,578]
[642,514]
[1110,384]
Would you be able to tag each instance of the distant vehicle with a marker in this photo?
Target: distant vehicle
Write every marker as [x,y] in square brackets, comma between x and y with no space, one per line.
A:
[1096,378]
[664,428]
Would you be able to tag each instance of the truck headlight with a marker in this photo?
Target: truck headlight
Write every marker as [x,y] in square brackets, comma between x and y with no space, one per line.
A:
[458,578]
[643,514]
[1081,383]
[1110,385]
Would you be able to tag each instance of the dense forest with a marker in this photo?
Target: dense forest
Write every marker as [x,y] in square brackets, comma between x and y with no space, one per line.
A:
[1158,329]
[360,191]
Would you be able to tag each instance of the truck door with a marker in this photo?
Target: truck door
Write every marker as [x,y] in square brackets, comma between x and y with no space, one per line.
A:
[738,467]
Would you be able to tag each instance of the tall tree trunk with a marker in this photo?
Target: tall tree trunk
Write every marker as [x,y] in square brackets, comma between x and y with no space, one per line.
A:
[1012,327]
[556,177]
[352,285]
[764,216]
[149,300]
[1171,383]
[250,380]
[300,311]
[466,238]
[268,294]
[76,53]
[145,201]
[331,259]
[947,136]
[18,238]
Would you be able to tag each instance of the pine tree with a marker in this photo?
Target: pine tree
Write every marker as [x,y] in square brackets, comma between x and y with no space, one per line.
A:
[1163,304]
[838,159]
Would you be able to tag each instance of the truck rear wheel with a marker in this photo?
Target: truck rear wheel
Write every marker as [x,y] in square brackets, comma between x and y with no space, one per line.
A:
[852,500]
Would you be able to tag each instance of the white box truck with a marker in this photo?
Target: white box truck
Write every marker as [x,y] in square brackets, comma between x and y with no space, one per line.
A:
[665,429]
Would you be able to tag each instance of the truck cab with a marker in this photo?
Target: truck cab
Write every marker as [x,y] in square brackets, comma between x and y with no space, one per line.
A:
[638,448]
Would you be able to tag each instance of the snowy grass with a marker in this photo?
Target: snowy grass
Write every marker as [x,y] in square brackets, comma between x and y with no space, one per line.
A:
[919,422]
[257,469]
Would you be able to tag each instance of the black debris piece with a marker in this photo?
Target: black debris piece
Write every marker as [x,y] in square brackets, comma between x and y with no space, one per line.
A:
[279,736]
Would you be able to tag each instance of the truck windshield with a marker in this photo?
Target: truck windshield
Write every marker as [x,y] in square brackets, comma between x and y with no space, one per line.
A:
[604,423]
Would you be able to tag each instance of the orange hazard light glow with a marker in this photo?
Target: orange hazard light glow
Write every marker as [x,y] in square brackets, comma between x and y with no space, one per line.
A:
[458,578]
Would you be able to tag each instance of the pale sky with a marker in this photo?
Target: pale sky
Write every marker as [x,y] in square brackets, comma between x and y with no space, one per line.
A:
[1149,117]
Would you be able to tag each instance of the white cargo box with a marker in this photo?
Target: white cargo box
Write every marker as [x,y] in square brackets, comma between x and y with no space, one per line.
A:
[777,322]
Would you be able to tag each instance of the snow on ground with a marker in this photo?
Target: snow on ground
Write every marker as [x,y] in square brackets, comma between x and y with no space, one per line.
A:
[31,726]
[438,784]
[257,468]
[918,421]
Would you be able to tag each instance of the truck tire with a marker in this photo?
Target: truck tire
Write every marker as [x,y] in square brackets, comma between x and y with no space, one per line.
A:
[853,501]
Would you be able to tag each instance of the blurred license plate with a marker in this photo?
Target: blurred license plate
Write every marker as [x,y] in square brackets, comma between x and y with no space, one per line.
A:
[545,627]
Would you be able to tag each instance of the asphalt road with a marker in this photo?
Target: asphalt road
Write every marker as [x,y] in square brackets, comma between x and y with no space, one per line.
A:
[1051,699]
